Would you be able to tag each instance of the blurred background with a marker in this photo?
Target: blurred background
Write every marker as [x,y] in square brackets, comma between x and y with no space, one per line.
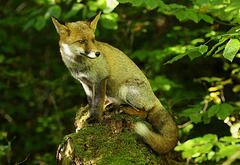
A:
[187,49]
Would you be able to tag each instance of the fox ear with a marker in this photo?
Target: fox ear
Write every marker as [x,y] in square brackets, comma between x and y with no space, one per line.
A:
[94,20]
[60,26]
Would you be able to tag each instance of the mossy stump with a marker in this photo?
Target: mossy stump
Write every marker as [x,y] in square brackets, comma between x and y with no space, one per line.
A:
[111,142]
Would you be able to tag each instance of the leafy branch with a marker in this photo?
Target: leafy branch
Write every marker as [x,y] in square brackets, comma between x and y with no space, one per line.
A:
[229,43]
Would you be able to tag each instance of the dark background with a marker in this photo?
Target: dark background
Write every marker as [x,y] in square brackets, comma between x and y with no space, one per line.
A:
[39,98]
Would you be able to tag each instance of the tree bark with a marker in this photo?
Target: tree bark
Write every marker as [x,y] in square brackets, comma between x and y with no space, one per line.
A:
[112,141]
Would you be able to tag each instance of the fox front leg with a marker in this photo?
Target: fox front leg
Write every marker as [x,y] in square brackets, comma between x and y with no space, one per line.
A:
[98,98]
[88,90]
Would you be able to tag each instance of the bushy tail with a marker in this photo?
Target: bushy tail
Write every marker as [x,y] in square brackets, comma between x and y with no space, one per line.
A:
[165,135]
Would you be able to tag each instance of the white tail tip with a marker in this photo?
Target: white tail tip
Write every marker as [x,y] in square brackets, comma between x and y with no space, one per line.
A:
[141,129]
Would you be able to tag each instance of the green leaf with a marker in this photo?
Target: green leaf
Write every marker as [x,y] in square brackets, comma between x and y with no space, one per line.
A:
[140,54]
[53,11]
[152,4]
[229,139]
[211,155]
[193,152]
[4,149]
[193,16]
[188,128]
[176,58]
[196,117]
[2,58]
[28,24]
[133,2]
[203,49]
[194,55]
[181,15]
[235,30]
[223,39]
[180,56]
[123,1]
[219,144]
[228,151]
[74,10]
[190,111]
[36,11]
[220,48]
[193,114]
[210,138]
[231,49]
[213,110]
[206,18]
[136,2]
[41,22]
[222,111]
[225,111]
[197,146]
[236,88]
[205,148]
[216,2]
[109,20]
[106,6]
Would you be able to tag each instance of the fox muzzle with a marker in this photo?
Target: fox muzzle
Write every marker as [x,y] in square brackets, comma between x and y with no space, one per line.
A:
[91,54]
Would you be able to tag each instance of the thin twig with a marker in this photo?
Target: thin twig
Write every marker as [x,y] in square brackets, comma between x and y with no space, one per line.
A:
[6,116]
[232,158]
[185,124]
[223,23]
[205,107]
[222,96]
[190,121]
[217,37]
[23,160]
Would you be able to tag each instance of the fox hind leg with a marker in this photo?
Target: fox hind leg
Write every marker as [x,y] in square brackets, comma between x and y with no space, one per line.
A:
[138,95]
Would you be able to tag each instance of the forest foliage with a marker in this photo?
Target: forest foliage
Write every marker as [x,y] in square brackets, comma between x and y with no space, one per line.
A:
[189,50]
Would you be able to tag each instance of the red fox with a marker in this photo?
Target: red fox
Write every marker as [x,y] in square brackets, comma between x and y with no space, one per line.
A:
[106,72]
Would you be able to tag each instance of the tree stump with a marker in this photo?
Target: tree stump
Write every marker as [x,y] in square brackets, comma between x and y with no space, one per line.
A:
[113,141]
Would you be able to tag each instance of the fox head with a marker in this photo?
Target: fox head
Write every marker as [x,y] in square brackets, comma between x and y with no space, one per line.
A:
[78,38]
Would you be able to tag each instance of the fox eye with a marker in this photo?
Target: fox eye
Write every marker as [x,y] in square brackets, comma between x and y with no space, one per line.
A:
[93,40]
[81,41]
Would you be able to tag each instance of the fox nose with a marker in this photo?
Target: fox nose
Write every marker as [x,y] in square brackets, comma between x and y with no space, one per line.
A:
[97,54]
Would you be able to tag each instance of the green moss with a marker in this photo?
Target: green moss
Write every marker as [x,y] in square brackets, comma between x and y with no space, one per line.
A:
[121,148]
[113,141]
